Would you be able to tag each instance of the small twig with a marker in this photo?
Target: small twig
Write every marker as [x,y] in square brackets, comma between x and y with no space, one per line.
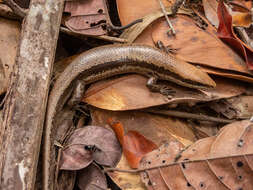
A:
[167,18]
[189,115]
[16,9]
[171,164]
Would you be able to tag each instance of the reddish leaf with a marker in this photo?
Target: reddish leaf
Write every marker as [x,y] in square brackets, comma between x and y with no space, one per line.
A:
[118,129]
[226,33]
[135,146]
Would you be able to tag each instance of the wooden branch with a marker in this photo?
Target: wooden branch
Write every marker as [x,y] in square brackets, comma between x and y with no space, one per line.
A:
[25,106]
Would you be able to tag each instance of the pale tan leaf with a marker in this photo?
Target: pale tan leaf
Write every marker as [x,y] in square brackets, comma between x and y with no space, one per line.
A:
[210,8]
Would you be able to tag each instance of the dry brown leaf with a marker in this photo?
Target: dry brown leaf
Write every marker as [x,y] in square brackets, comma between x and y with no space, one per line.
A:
[130,92]
[91,178]
[198,46]
[224,161]
[239,107]
[87,17]
[156,128]
[227,74]
[131,10]
[90,143]
[241,19]
[9,38]
[225,88]
[210,8]
[166,153]
[66,180]
[126,181]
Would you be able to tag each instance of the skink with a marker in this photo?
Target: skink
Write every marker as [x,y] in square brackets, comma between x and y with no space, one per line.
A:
[104,62]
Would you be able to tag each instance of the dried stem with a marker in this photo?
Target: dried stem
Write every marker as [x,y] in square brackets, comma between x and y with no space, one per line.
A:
[189,115]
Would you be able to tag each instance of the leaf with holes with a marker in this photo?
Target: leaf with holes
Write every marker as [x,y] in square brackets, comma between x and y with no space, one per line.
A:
[220,162]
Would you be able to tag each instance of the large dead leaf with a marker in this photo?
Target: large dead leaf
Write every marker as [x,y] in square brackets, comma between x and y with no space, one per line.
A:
[226,33]
[92,143]
[203,47]
[92,178]
[131,10]
[9,38]
[225,88]
[130,92]
[87,17]
[224,161]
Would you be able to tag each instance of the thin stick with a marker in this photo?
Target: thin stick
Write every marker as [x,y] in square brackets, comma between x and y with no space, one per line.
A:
[171,164]
[189,115]
[167,18]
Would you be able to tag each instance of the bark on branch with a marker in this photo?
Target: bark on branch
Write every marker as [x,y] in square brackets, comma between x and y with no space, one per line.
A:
[25,106]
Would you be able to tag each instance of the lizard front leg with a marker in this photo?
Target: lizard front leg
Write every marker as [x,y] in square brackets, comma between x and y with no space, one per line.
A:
[163,89]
